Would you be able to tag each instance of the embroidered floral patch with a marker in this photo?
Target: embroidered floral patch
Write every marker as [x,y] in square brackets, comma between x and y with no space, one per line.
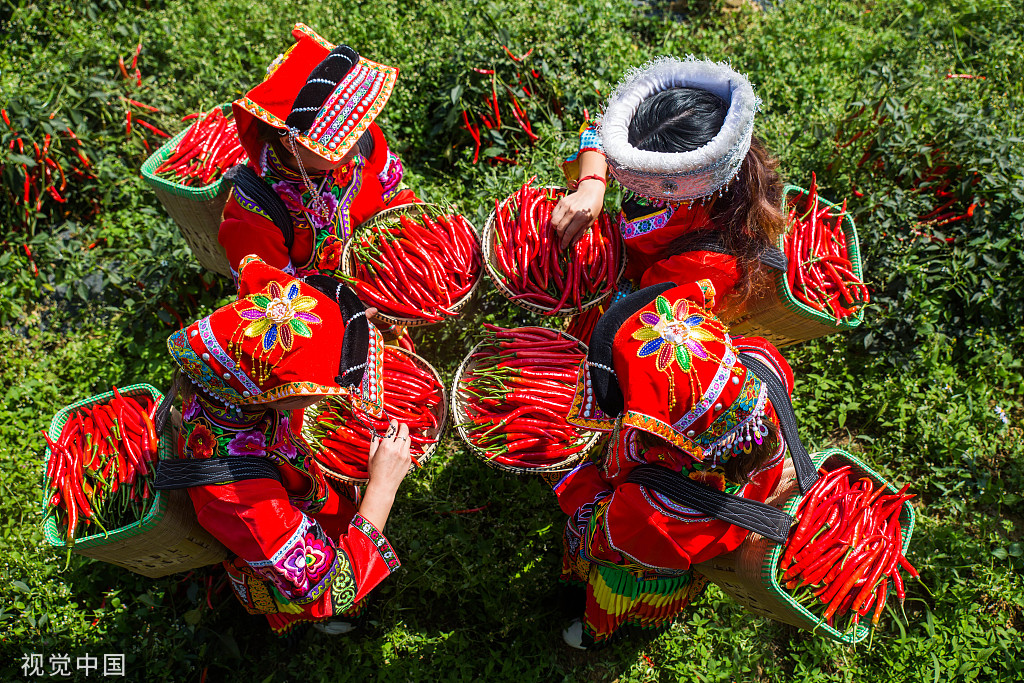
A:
[248,443]
[330,254]
[201,443]
[673,335]
[279,314]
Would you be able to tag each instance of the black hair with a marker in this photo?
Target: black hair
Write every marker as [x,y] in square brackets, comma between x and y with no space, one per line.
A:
[677,120]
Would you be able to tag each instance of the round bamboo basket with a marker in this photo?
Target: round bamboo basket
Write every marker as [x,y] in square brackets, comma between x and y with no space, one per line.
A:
[490,240]
[460,417]
[392,216]
[440,413]
[749,574]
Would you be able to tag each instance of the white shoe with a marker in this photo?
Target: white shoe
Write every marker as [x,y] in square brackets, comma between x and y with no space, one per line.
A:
[573,635]
[334,628]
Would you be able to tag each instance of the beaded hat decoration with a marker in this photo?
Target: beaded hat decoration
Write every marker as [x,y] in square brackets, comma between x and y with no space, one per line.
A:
[661,362]
[283,338]
[679,176]
[325,97]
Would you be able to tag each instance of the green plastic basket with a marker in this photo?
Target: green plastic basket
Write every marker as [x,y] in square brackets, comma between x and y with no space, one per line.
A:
[749,574]
[196,210]
[777,315]
[166,539]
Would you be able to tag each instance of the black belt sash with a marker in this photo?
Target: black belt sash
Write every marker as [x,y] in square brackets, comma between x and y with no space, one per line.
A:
[184,473]
[751,515]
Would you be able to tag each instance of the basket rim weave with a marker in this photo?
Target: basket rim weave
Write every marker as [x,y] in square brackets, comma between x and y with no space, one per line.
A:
[442,415]
[769,568]
[158,503]
[789,299]
[417,208]
[490,237]
[459,418]
[163,153]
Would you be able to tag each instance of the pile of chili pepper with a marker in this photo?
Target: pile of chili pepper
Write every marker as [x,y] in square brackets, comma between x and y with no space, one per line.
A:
[517,391]
[820,273]
[209,147]
[100,464]
[418,268]
[413,395]
[536,269]
[847,547]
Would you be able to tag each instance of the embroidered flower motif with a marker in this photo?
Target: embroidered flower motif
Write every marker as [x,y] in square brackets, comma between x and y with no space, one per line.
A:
[201,442]
[330,255]
[248,443]
[672,336]
[280,314]
[296,199]
[190,409]
[318,558]
[713,479]
[293,566]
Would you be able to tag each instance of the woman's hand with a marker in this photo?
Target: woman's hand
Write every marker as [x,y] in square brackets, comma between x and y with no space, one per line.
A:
[388,463]
[576,212]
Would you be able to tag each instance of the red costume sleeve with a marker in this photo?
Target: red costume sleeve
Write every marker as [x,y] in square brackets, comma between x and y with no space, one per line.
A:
[245,229]
[327,561]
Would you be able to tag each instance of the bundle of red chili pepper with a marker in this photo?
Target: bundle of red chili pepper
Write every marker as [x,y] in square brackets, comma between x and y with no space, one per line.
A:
[534,267]
[412,395]
[418,268]
[517,392]
[99,466]
[210,147]
[847,547]
[820,273]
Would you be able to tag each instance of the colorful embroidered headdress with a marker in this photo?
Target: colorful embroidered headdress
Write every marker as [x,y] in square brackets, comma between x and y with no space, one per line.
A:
[660,361]
[679,176]
[324,96]
[284,337]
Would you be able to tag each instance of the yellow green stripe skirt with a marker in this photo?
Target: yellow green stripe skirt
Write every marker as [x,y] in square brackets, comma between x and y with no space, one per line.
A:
[617,597]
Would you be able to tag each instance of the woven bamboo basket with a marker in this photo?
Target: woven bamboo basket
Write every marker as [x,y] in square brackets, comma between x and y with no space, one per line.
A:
[773,312]
[167,538]
[196,210]
[749,574]
[440,412]
[490,241]
[392,215]
[461,419]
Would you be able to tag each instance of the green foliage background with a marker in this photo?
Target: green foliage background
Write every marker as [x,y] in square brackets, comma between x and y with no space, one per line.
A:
[920,391]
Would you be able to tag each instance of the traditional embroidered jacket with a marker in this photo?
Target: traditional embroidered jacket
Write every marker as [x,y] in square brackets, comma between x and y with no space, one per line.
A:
[303,552]
[353,193]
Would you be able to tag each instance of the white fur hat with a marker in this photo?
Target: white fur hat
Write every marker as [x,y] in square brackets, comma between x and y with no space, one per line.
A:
[680,176]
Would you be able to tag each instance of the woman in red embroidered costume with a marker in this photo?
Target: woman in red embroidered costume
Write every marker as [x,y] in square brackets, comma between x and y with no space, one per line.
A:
[305,550]
[664,376]
[310,135]
[702,193]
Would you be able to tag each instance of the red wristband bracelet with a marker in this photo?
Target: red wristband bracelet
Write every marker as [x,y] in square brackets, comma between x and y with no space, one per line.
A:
[591,177]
